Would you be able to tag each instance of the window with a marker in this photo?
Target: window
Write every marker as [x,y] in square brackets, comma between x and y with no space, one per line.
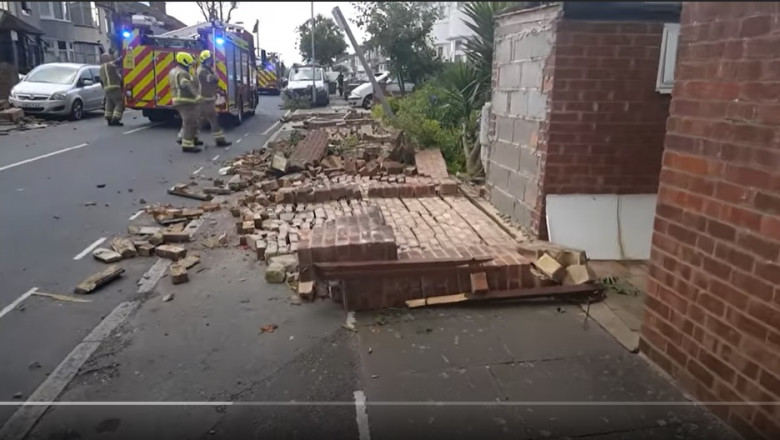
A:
[458,44]
[5,6]
[58,51]
[95,71]
[86,53]
[86,75]
[668,58]
[84,13]
[440,51]
[54,10]
[25,8]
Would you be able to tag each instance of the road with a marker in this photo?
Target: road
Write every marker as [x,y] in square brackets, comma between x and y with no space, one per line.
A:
[47,176]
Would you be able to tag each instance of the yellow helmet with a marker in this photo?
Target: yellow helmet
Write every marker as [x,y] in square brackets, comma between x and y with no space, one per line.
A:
[204,55]
[184,59]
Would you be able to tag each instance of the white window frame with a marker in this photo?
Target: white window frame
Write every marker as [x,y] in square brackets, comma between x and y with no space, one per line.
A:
[668,59]
[6,6]
[64,7]
[93,15]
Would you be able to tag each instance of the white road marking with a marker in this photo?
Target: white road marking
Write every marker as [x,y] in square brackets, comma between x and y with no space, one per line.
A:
[135,216]
[195,173]
[20,423]
[246,134]
[310,403]
[215,158]
[361,417]
[89,248]
[239,141]
[17,301]
[153,275]
[227,148]
[136,130]
[269,129]
[13,165]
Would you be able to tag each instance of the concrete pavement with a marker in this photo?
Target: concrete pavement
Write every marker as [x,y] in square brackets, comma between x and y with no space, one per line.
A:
[46,177]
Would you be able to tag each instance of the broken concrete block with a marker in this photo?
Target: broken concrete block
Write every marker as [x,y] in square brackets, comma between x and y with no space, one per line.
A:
[246,227]
[170,252]
[124,247]
[145,250]
[99,279]
[106,255]
[210,207]
[578,274]
[550,267]
[275,273]
[571,257]
[217,191]
[279,163]
[190,213]
[269,185]
[13,115]
[289,261]
[176,237]
[178,274]
[305,289]
[157,238]
[236,183]
[189,261]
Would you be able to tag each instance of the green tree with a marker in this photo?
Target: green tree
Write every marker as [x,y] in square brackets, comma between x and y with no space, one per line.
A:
[328,40]
[402,32]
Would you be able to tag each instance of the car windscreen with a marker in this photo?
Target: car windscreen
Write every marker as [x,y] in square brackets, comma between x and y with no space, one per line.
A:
[53,74]
[304,74]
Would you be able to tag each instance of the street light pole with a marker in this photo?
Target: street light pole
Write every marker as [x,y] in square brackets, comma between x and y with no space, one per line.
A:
[313,69]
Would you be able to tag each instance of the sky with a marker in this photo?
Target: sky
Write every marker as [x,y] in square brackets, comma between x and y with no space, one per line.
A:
[278,21]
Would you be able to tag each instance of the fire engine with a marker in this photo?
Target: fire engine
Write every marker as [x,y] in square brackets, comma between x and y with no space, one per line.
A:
[269,74]
[147,59]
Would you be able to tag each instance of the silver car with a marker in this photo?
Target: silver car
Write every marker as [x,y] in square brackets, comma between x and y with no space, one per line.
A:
[64,89]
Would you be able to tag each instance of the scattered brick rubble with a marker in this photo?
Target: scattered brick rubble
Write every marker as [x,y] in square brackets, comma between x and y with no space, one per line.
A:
[348,210]
[14,119]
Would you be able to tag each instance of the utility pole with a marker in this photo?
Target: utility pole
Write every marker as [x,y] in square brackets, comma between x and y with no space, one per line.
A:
[359,52]
[313,69]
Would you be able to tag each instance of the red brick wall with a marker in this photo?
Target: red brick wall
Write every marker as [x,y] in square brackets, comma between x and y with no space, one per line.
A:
[607,124]
[713,313]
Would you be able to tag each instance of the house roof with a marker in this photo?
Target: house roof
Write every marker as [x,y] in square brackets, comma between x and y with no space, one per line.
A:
[140,8]
[9,22]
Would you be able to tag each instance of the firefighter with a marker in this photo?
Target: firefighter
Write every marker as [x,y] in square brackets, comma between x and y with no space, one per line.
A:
[193,74]
[109,79]
[340,82]
[207,82]
[185,100]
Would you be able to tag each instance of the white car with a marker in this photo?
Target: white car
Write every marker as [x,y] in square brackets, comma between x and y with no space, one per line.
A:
[64,89]
[363,94]
[300,80]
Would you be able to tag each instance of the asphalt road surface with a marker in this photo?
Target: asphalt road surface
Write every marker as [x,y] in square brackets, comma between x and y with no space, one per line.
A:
[48,177]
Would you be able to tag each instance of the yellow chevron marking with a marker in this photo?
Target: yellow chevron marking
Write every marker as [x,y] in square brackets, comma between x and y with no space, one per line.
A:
[145,81]
[139,67]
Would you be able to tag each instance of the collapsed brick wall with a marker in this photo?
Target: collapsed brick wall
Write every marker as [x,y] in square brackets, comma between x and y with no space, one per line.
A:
[713,310]
[523,44]
[607,122]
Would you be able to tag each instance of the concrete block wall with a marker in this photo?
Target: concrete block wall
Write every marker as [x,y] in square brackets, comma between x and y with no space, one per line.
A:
[524,44]
[712,319]
[607,122]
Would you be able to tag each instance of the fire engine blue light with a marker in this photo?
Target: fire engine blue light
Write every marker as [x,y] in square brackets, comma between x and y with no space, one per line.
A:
[126,34]
[220,41]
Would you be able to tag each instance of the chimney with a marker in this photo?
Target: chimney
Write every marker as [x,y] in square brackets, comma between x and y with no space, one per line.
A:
[158,6]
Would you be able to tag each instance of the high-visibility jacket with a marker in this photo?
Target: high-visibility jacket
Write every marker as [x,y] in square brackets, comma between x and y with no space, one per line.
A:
[207,82]
[182,87]
[109,76]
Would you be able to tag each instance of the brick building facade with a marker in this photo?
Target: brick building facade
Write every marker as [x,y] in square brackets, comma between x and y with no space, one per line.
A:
[575,107]
[712,318]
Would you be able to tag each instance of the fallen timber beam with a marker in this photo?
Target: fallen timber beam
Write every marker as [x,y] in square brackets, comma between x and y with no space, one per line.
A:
[365,269]
[523,293]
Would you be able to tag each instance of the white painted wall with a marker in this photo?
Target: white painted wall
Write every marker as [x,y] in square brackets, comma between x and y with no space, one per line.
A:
[451,29]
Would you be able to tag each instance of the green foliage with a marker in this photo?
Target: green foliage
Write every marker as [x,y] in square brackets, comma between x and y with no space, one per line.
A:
[420,115]
[479,47]
[401,31]
[329,41]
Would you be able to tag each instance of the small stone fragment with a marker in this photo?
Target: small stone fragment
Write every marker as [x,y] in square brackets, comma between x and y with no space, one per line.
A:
[106,255]
[178,274]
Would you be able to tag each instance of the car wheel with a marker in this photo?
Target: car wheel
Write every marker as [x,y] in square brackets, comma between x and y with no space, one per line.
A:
[77,110]
[367,102]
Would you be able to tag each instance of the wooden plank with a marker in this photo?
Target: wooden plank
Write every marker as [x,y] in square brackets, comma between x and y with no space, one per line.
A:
[358,269]
[181,192]
[523,293]
[99,279]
